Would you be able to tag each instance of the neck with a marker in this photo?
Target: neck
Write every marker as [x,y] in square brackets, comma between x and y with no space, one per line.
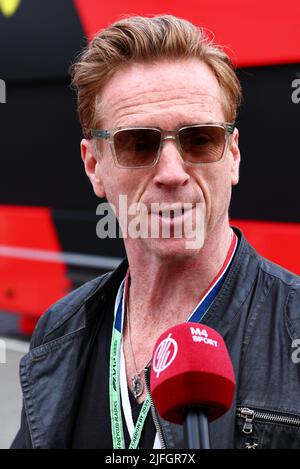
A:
[165,291]
[163,294]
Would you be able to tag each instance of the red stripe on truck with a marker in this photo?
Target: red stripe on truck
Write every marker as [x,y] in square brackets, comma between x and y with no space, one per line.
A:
[27,286]
[254,32]
[278,241]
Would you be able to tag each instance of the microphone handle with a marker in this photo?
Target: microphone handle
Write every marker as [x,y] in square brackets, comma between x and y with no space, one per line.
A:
[195,429]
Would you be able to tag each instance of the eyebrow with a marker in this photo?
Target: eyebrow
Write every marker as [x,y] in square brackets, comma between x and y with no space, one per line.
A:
[181,123]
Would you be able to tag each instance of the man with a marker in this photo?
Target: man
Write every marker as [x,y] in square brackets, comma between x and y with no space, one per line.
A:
[157,103]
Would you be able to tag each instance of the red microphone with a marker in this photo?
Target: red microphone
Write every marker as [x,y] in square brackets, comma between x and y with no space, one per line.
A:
[192,379]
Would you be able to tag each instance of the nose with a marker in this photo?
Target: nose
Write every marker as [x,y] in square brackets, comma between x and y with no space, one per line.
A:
[170,169]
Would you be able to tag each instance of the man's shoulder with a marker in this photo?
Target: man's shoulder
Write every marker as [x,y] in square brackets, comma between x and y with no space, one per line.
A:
[269,268]
[66,308]
[283,276]
[284,291]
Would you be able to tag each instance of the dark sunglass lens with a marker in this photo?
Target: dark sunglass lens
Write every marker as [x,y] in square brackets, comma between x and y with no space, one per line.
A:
[136,147]
[203,144]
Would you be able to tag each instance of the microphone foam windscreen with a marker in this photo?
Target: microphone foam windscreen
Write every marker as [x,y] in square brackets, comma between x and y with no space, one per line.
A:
[191,367]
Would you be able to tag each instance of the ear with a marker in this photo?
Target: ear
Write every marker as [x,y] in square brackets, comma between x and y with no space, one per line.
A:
[236,157]
[93,166]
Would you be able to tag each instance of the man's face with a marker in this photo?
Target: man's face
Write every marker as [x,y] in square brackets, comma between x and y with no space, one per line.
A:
[168,94]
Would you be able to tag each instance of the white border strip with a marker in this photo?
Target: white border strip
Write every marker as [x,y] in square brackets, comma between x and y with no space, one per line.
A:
[15,345]
[68,258]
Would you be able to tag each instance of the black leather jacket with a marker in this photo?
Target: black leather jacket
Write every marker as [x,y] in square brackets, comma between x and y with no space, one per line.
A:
[257,312]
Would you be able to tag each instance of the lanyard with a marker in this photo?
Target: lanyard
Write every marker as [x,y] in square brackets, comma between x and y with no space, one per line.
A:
[116,356]
[215,286]
[114,375]
[117,374]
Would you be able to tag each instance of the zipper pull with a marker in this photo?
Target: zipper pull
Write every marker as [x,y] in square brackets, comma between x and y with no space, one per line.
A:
[153,410]
[251,445]
[248,415]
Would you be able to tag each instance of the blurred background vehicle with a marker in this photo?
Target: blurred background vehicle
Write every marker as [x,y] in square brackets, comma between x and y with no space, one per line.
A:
[48,242]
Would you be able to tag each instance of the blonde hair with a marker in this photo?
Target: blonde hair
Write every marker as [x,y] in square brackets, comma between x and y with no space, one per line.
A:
[143,39]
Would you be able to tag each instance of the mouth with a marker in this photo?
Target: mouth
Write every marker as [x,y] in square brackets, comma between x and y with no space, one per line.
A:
[171,213]
[174,220]
[165,210]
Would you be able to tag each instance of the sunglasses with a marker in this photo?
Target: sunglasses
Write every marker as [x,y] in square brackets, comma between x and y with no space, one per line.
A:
[140,147]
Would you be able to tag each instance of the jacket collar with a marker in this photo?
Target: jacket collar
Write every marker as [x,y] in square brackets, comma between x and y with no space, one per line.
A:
[227,306]
[52,373]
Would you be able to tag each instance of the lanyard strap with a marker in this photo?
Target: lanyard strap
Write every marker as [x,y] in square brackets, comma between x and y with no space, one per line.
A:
[134,431]
[117,372]
[114,375]
[116,356]
[215,286]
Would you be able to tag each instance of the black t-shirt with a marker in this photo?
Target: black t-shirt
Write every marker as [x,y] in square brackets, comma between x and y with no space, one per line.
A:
[92,429]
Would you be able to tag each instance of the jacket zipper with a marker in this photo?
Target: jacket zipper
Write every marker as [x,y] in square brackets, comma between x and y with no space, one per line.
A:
[154,412]
[249,415]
